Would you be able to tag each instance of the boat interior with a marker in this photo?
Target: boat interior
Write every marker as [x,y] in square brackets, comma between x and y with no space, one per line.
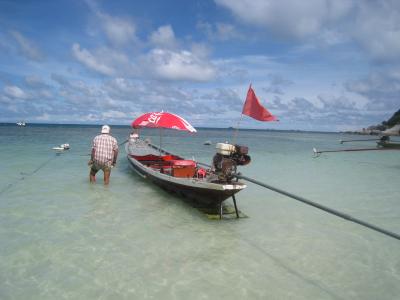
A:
[172,165]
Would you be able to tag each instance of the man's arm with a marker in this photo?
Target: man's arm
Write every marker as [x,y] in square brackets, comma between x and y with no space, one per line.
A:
[115,157]
[92,156]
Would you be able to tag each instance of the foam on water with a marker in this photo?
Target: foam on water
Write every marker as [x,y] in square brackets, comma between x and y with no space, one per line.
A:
[62,237]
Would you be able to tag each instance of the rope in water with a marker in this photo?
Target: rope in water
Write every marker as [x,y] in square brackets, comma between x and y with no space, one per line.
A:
[322,207]
[25,175]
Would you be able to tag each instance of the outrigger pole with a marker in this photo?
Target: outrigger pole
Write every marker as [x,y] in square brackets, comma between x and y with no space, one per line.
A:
[346,141]
[322,207]
[318,152]
[120,144]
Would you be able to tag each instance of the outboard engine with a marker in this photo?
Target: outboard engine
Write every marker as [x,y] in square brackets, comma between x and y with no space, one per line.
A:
[227,158]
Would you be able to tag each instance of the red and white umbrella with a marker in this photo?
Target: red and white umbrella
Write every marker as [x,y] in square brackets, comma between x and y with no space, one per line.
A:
[162,120]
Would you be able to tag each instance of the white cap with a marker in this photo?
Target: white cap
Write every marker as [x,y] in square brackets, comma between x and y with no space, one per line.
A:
[105,129]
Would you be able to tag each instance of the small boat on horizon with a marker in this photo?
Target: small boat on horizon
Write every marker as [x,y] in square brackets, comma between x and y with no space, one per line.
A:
[388,144]
[62,147]
[21,123]
[382,143]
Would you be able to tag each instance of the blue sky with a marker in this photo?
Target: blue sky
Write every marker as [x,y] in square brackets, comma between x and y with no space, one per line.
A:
[316,64]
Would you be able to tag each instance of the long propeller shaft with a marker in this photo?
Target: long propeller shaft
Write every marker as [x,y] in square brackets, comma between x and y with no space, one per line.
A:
[322,207]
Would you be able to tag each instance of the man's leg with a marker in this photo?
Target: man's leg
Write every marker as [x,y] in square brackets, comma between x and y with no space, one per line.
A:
[92,174]
[107,173]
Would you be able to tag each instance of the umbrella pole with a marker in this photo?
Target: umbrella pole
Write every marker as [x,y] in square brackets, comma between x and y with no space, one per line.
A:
[160,140]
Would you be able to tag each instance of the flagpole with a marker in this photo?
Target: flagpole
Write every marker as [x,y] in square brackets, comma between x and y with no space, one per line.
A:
[235,133]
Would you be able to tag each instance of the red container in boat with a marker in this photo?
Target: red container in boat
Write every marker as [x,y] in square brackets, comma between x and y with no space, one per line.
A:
[183,168]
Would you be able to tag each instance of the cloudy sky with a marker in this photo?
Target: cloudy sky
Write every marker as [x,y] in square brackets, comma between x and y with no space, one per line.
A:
[316,64]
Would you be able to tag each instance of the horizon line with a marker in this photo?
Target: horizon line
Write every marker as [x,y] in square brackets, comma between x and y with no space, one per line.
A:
[201,127]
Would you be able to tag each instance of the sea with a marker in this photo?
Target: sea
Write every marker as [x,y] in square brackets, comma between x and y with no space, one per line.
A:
[64,238]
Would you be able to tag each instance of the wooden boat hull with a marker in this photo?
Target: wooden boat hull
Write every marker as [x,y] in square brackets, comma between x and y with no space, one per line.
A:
[208,194]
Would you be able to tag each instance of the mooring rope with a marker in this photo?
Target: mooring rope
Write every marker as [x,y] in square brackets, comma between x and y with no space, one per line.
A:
[25,175]
[322,207]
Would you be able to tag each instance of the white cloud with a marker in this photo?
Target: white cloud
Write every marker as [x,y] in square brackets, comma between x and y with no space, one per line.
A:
[121,84]
[15,92]
[277,84]
[292,18]
[219,31]
[45,94]
[113,114]
[330,37]
[119,31]
[90,61]
[44,117]
[200,50]
[27,47]
[123,89]
[381,89]
[35,81]
[82,95]
[377,29]
[164,37]
[225,31]
[337,103]
[183,65]
[374,25]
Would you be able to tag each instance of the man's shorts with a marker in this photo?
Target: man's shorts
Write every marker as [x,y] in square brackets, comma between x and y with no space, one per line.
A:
[96,167]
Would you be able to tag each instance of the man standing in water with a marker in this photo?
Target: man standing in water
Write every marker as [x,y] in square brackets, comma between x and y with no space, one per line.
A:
[104,154]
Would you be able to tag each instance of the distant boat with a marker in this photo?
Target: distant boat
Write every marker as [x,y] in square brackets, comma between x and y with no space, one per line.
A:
[383,143]
[207,143]
[388,144]
[62,147]
[21,123]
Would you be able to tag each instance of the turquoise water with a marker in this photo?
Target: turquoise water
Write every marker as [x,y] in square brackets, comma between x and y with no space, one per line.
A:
[62,238]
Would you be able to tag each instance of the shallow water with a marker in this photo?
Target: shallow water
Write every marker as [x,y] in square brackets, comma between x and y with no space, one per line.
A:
[64,238]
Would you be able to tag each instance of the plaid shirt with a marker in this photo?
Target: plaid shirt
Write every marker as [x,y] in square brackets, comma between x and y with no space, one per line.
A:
[104,146]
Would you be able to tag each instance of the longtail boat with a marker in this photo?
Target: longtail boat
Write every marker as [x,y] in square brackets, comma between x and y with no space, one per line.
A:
[387,144]
[208,185]
[383,143]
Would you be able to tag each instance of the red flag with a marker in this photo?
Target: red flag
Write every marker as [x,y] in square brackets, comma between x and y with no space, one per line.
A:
[253,108]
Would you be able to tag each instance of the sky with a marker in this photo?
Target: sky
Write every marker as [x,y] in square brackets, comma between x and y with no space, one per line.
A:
[317,64]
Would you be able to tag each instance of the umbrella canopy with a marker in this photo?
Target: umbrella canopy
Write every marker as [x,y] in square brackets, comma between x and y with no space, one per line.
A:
[162,120]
